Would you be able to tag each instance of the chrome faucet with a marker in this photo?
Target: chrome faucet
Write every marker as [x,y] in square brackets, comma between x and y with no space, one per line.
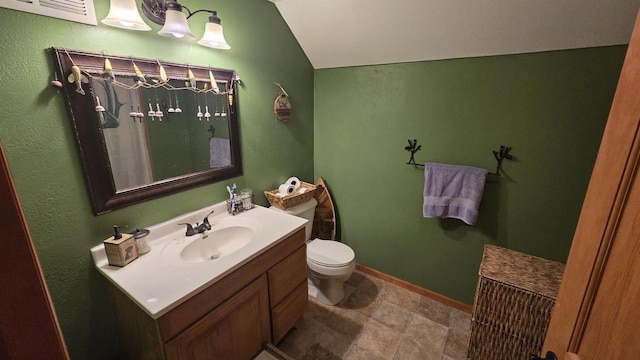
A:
[199,228]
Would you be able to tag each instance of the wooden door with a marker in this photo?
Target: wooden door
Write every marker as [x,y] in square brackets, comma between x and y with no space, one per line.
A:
[236,330]
[597,313]
[28,325]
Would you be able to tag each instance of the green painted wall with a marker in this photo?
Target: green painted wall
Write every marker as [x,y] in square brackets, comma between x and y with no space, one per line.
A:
[37,136]
[550,107]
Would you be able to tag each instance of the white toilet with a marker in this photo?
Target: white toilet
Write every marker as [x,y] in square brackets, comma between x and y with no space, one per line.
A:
[329,263]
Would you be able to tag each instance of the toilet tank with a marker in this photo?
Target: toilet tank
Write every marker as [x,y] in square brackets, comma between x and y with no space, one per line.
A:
[306,210]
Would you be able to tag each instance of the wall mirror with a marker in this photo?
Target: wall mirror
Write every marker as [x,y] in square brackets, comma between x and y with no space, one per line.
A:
[148,128]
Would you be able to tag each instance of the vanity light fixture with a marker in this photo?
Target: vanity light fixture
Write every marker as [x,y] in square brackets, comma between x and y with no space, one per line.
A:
[213,34]
[176,26]
[175,23]
[125,15]
[169,14]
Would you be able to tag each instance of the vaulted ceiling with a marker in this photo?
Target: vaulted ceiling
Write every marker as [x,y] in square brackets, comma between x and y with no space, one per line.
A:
[338,33]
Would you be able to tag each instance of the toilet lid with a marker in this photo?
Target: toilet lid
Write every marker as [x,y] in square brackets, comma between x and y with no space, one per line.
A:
[329,253]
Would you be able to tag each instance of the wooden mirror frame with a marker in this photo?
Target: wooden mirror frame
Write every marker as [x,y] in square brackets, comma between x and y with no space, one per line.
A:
[89,136]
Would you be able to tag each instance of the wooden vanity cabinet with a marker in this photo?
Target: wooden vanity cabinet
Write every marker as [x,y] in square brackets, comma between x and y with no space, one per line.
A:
[285,315]
[288,293]
[232,319]
[237,329]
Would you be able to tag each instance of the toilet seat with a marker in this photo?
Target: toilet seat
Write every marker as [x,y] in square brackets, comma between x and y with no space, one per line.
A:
[329,253]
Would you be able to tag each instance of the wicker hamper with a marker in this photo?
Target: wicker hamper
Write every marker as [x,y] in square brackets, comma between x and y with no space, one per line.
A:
[515,295]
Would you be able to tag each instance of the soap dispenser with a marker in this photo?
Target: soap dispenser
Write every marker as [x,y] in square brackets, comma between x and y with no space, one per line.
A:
[120,248]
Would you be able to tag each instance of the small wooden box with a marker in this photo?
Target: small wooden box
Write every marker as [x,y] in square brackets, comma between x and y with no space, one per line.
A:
[121,251]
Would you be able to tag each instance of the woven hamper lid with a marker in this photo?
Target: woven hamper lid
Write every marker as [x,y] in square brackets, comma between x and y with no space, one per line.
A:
[524,271]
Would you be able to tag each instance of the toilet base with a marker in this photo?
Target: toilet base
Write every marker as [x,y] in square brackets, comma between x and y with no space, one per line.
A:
[326,291]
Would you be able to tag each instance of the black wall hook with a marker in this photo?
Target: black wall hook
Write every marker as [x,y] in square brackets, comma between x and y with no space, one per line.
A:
[501,155]
[413,147]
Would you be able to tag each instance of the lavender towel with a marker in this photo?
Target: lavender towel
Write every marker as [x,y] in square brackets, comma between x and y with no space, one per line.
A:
[453,191]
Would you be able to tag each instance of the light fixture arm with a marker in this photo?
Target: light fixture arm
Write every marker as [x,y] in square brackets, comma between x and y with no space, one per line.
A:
[212,12]
[156,10]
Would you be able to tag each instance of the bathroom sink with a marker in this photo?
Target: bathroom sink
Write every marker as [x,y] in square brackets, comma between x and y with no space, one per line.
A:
[217,243]
[228,238]
[180,266]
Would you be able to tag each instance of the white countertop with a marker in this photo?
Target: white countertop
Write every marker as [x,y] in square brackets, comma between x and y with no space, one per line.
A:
[159,281]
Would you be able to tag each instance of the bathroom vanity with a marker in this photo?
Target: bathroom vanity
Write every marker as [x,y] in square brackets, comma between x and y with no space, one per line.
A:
[227,306]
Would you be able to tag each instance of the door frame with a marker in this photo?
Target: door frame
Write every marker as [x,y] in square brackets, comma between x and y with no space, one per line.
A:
[29,328]
[613,174]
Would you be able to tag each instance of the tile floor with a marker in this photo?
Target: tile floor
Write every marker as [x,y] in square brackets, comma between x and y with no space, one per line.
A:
[378,320]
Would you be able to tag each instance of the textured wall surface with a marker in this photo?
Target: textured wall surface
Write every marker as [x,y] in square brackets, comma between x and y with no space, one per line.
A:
[37,135]
[550,107]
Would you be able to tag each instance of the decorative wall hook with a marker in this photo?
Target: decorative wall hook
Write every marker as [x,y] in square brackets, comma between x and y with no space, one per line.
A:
[501,155]
[413,147]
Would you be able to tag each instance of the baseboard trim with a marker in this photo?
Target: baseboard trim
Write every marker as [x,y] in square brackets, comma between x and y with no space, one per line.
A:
[416,289]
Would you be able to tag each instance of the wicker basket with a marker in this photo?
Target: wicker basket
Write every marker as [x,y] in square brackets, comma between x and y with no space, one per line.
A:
[292,200]
[512,308]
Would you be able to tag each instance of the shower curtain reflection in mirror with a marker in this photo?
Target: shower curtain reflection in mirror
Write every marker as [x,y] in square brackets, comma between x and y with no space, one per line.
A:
[125,137]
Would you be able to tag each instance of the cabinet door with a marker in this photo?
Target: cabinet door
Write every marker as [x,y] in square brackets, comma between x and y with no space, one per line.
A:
[290,310]
[287,275]
[237,329]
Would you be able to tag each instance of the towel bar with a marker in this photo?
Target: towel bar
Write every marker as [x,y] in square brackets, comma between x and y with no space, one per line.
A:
[500,155]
